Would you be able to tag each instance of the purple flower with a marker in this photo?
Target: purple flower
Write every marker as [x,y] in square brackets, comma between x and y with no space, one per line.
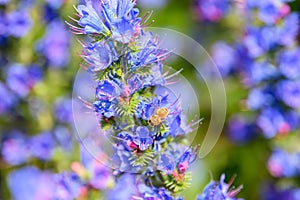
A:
[148,52]
[124,189]
[100,176]
[21,79]
[284,164]
[224,57]
[219,191]
[105,108]
[19,23]
[15,149]
[64,137]
[63,110]
[271,192]
[260,40]
[289,29]
[3,25]
[289,92]
[107,90]
[7,99]
[56,4]
[289,63]
[29,183]
[55,44]
[110,17]
[269,11]
[240,131]
[99,55]
[258,72]
[143,138]
[213,10]
[67,186]
[42,145]
[259,98]
[272,121]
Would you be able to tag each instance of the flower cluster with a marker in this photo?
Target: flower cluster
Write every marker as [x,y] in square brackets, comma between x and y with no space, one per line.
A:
[141,116]
[266,59]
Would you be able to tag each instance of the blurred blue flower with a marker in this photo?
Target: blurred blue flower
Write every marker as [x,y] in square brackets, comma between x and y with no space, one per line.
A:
[289,63]
[7,99]
[21,79]
[124,189]
[56,4]
[284,164]
[288,30]
[29,183]
[212,10]
[272,121]
[240,131]
[55,44]
[42,145]
[19,22]
[289,92]
[63,137]
[67,186]
[225,57]
[15,149]
[63,110]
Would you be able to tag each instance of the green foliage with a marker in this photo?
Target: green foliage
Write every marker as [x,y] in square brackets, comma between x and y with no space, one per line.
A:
[178,185]
[141,158]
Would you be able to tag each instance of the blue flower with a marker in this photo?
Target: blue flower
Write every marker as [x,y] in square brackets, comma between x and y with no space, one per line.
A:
[105,108]
[212,10]
[29,183]
[284,164]
[110,17]
[143,138]
[19,23]
[15,149]
[63,137]
[55,44]
[219,191]
[7,99]
[107,90]
[42,145]
[259,98]
[272,121]
[22,79]
[63,110]
[67,186]
[288,30]
[240,130]
[289,63]
[225,57]
[147,51]
[124,189]
[99,55]
[90,18]
[289,92]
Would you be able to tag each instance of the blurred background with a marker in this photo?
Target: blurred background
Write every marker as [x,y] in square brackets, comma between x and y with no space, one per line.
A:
[39,59]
